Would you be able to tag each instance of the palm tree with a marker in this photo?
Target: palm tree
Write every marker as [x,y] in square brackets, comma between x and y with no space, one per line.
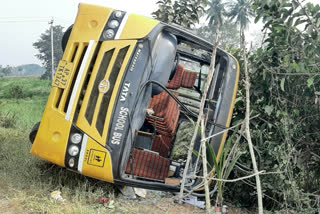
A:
[216,13]
[240,12]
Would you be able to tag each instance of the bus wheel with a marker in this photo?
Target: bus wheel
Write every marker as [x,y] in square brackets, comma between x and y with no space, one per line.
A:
[34,132]
[65,38]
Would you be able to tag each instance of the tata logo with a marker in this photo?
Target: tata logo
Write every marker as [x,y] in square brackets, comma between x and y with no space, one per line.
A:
[104,86]
[124,92]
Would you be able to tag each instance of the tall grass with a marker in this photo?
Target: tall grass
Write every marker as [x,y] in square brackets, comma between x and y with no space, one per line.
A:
[25,98]
[25,178]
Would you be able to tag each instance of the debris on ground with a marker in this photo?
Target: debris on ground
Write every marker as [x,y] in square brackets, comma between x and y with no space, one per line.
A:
[217,210]
[140,192]
[103,200]
[220,210]
[56,195]
[224,209]
[193,200]
[107,202]
[127,192]
[132,192]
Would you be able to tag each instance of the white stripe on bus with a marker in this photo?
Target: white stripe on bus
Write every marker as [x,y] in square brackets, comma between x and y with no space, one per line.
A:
[82,152]
[78,80]
[121,27]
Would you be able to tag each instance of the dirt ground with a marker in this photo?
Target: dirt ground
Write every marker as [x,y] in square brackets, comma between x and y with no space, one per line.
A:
[10,207]
[155,202]
[162,206]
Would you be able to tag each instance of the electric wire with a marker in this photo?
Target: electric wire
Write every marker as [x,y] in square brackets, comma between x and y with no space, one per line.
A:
[34,19]
[23,17]
[22,21]
[201,195]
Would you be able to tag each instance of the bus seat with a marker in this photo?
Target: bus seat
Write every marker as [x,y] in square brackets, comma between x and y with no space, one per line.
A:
[162,145]
[166,114]
[148,165]
[176,80]
[188,79]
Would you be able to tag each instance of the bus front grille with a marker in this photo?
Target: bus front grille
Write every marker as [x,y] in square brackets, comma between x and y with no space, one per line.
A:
[97,104]
[95,91]
[106,97]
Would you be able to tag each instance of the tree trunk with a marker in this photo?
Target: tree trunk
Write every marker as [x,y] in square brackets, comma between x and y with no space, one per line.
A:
[247,125]
[201,119]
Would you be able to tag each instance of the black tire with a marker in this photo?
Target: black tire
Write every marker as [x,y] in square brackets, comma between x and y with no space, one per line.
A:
[34,132]
[65,38]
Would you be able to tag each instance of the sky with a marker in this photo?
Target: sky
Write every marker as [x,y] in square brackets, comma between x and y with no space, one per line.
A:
[23,21]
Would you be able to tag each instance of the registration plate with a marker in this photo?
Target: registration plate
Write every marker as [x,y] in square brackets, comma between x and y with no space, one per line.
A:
[63,74]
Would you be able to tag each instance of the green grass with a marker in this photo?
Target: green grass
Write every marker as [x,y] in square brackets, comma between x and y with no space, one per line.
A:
[29,107]
[27,180]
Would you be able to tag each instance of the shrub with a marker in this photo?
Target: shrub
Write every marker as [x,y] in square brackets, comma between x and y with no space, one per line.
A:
[8,120]
[16,92]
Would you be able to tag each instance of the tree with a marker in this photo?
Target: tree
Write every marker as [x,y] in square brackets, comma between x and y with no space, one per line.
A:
[44,47]
[229,34]
[284,94]
[216,13]
[5,71]
[241,12]
[287,75]
[181,12]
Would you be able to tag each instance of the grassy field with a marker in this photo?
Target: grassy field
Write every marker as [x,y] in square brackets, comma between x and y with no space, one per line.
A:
[23,100]
[26,181]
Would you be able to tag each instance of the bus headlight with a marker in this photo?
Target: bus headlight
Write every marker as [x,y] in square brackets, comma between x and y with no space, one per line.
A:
[108,34]
[71,162]
[73,150]
[117,14]
[113,24]
[76,138]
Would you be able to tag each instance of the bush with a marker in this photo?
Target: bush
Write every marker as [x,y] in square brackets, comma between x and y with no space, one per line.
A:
[8,120]
[284,94]
[16,92]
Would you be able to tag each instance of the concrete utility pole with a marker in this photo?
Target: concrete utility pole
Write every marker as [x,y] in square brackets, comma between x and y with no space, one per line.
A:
[52,53]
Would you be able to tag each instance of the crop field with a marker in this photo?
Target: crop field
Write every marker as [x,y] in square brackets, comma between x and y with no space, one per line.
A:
[26,182]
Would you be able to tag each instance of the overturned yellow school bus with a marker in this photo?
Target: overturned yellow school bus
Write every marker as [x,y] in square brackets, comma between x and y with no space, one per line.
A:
[125,85]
